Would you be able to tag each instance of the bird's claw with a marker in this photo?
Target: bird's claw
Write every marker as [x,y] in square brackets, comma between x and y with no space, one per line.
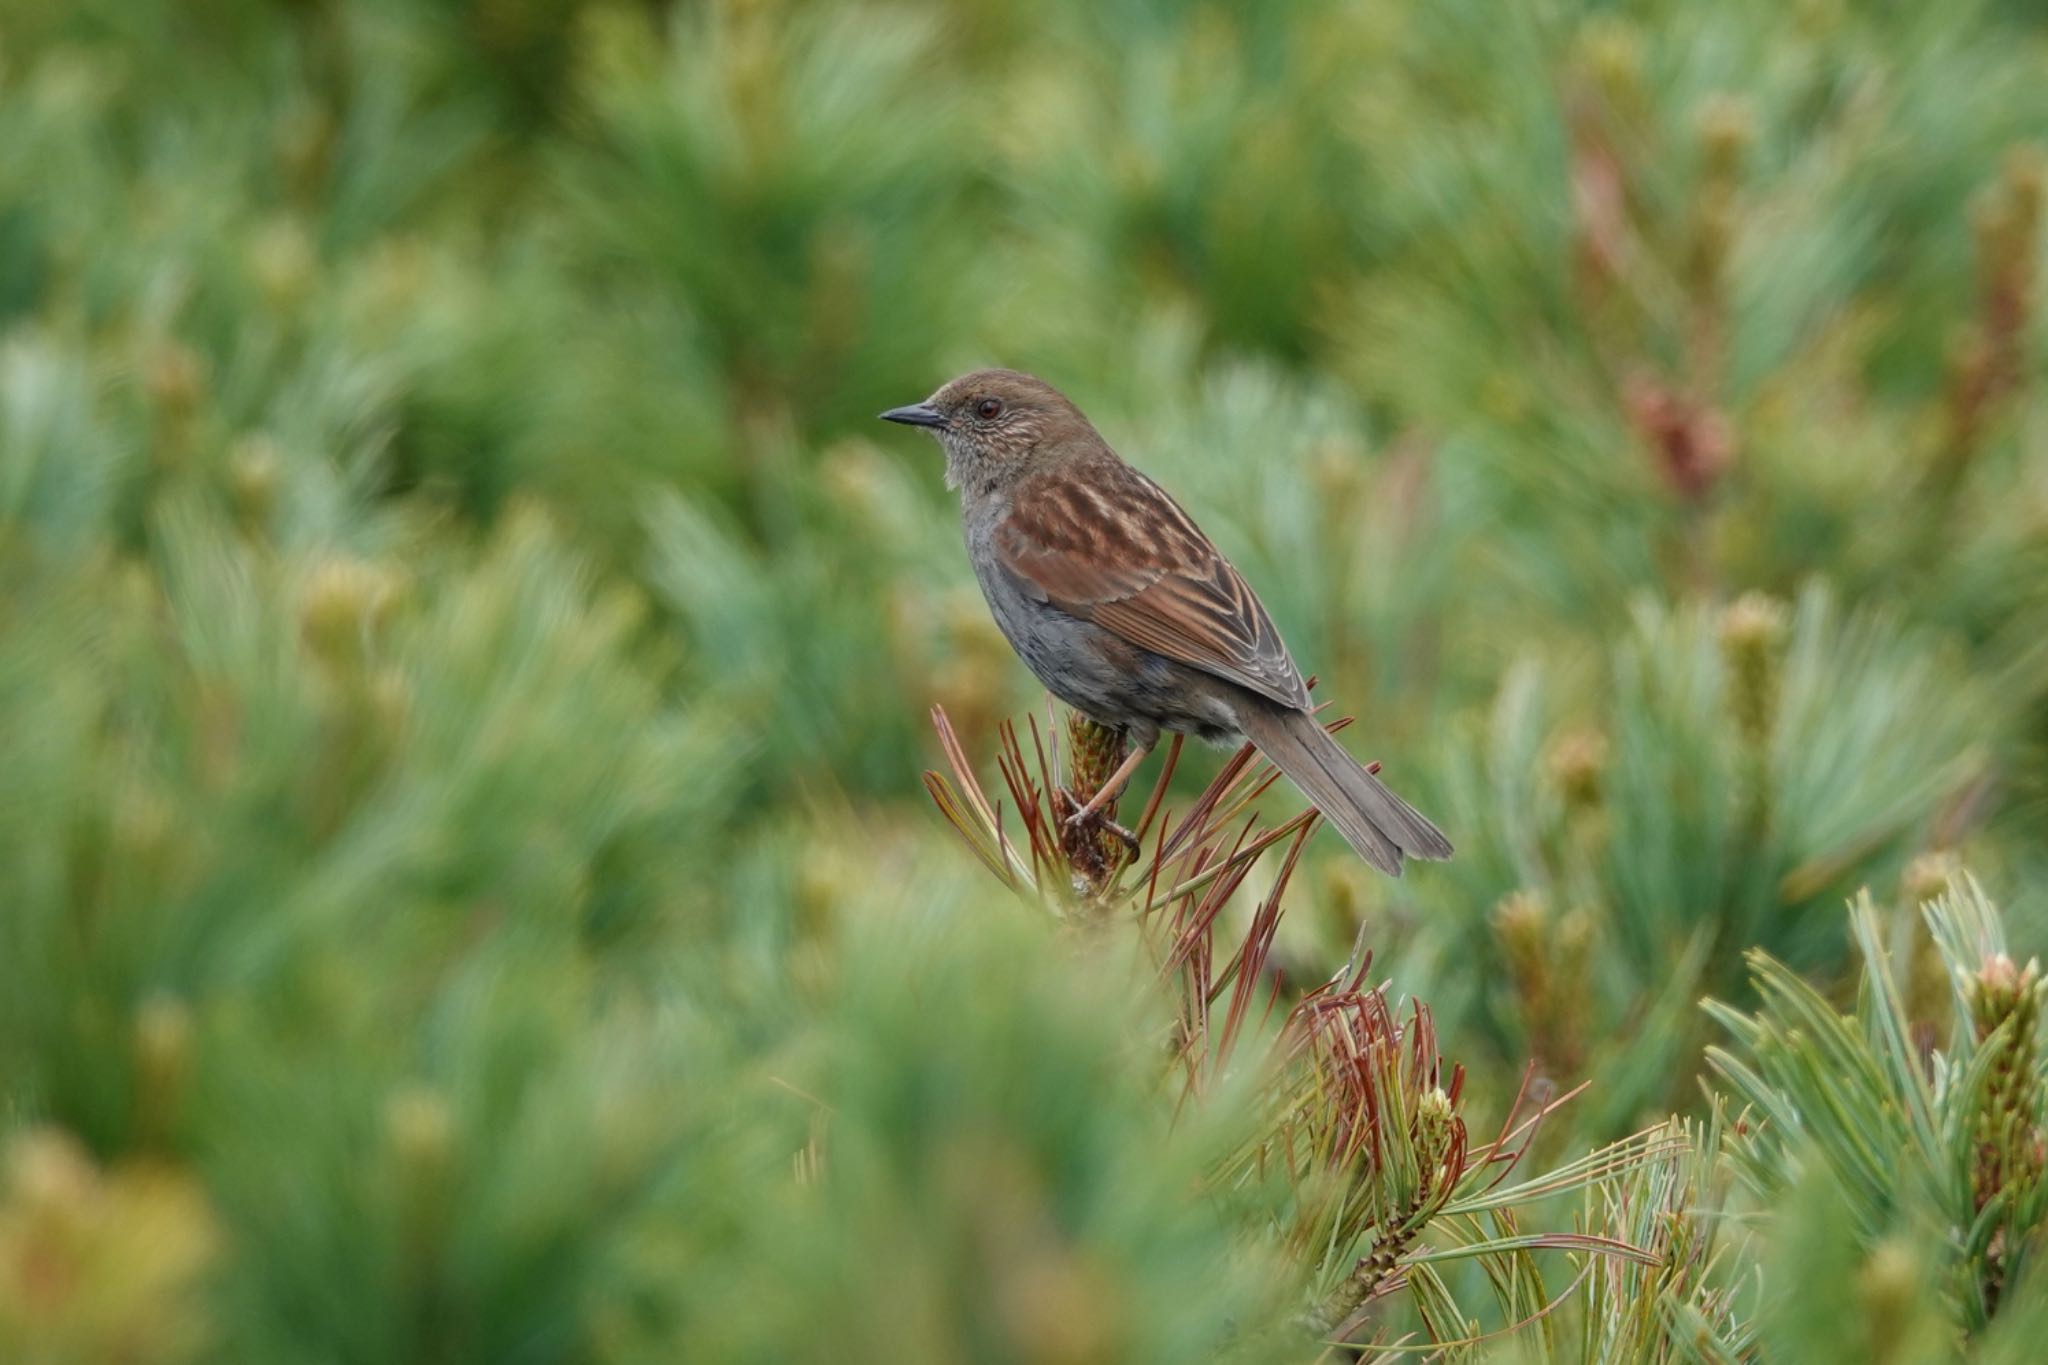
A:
[1098,820]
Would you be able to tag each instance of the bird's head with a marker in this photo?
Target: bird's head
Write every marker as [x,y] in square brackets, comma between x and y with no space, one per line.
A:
[996,426]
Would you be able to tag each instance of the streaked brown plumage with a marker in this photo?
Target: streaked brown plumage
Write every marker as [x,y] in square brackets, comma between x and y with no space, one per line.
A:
[1112,547]
[1126,611]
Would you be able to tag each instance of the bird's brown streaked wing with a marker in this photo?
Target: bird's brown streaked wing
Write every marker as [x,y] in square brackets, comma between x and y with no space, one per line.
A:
[1114,549]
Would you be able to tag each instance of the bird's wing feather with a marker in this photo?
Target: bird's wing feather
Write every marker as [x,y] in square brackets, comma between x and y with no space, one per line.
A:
[1111,547]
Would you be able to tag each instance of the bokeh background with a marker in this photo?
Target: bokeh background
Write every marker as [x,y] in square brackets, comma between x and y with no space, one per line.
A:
[466,646]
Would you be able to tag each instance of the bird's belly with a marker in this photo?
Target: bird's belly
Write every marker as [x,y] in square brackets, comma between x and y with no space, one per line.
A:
[1106,677]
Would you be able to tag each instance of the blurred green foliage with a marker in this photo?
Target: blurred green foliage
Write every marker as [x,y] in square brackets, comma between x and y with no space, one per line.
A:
[466,647]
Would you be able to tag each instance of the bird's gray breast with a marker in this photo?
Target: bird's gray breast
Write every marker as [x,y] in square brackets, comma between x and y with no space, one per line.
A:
[1070,656]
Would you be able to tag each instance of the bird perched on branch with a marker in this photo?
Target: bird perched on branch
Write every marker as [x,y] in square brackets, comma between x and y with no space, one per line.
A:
[1126,612]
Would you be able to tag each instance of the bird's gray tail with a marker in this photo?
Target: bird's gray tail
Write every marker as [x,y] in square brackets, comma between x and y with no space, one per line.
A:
[1379,824]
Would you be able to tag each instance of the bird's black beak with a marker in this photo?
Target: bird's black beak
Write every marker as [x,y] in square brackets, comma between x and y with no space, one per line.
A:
[916,415]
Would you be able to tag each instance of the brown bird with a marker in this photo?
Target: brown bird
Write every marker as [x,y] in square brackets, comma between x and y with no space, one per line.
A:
[1124,609]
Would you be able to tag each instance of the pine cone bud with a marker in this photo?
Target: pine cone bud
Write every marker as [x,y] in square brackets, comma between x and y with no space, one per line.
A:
[1521,923]
[419,1131]
[342,604]
[282,262]
[255,472]
[1727,129]
[1094,850]
[1093,754]
[2005,1000]
[1753,630]
[1929,877]
[175,376]
[49,1175]
[1999,991]
[1890,1284]
[1612,50]
[1577,763]
[163,1062]
[1436,1122]
[100,1264]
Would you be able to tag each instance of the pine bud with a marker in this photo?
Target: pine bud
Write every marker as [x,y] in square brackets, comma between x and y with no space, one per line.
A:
[1521,925]
[419,1133]
[49,1176]
[1727,128]
[1612,50]
[1753,624]
[282,262]
[305,137]
[389,704]
[144,826]
[1577,762]
[99,1265]
[421,1130]
[1546,961]
[1928,998]
[1346,894]
[1093,754]
[1929,876]
[825,877]
[1999,991]
[2005,1000]
[1336,469]
[343,603]
[1436,1124]
[1095,852]
[1521,922]
[174,376]
[1889,1286]
[1753,629]
[867,490]
[972,678]
[255,472]
[1433,1112]
[163,1063]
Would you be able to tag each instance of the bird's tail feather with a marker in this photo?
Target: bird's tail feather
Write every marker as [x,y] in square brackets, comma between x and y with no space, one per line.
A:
[1379,824]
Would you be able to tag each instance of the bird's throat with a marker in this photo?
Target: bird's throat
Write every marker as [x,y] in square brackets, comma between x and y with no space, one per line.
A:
[959,465]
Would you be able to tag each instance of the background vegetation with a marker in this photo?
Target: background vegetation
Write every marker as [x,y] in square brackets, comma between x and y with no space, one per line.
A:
[466,651]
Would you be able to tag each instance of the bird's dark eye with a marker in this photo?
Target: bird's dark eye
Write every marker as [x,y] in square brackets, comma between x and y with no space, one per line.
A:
[988,409]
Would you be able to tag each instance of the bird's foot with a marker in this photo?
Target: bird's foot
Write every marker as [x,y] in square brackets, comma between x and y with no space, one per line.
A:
[1096,819]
